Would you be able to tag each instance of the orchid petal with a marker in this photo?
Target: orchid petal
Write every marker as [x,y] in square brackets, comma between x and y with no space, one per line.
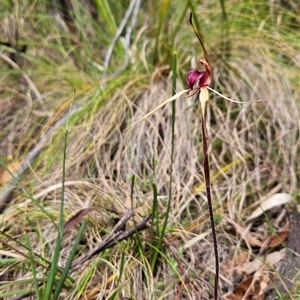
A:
[203,97]
[176,96]
[235,101]
[199,78]
[194,76]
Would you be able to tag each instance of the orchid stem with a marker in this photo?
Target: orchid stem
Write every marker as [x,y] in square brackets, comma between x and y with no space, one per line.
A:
[210,205]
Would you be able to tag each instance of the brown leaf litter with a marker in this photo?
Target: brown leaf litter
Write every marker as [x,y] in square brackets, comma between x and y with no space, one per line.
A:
[253,275]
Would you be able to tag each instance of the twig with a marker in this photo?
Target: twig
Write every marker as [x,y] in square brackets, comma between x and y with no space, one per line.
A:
[114,237]
[120,224]
[110,241]
[124,235]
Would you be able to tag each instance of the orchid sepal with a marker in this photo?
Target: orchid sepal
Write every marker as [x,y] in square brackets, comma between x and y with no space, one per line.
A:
[176,96]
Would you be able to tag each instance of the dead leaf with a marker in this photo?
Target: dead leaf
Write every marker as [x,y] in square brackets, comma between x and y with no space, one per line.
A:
[77,218]
[271,202]
[259,285]
[240,291]
[252,288]
[243,287]
[240,258]
[249,267]
[258,263]
[275,257]
[276,238]
[247,236]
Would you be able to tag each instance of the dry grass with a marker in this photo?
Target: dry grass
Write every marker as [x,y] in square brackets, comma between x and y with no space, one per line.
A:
[254,150]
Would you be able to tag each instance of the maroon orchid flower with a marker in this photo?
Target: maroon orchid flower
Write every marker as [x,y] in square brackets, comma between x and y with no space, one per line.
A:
[199,78]
[198,82]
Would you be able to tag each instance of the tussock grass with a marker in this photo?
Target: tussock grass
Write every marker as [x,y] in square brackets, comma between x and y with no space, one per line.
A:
[254,146]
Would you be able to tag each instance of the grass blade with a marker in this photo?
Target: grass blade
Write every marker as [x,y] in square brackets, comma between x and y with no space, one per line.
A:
[70,260]
[162,17]
[33,268]
[165,222]
[105,12]
[28,195]
[55,259]
[47,262]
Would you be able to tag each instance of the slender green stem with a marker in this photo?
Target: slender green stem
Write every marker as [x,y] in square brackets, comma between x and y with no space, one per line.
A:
[46,263]
[70,260]
[105,12]
[162,17]
[174,77]
[33,268]
[55,259]
[155,210]
[137,236]
[162,232]
[210,206]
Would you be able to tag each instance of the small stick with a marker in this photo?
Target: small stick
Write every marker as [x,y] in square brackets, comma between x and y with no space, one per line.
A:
[113,238]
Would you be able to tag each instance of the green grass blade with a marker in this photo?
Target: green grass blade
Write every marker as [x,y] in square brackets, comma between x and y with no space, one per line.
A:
[33,268]
[54,264]
[28,195]
[70,260]
[174,78]
[105,13]
[137,237]
[155,222]
[132,190]
[82,284]
[155,208]
[162,17]
[225,46]
[47,262]
[55,259]
[166,258]
[165,221]
[15,292]
[122,266]
[222,4]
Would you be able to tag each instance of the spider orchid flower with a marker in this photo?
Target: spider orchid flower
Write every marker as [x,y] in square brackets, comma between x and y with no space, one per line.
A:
[199,81]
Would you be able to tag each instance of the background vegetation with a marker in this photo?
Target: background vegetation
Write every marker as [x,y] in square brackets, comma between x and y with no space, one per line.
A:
[103,65]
